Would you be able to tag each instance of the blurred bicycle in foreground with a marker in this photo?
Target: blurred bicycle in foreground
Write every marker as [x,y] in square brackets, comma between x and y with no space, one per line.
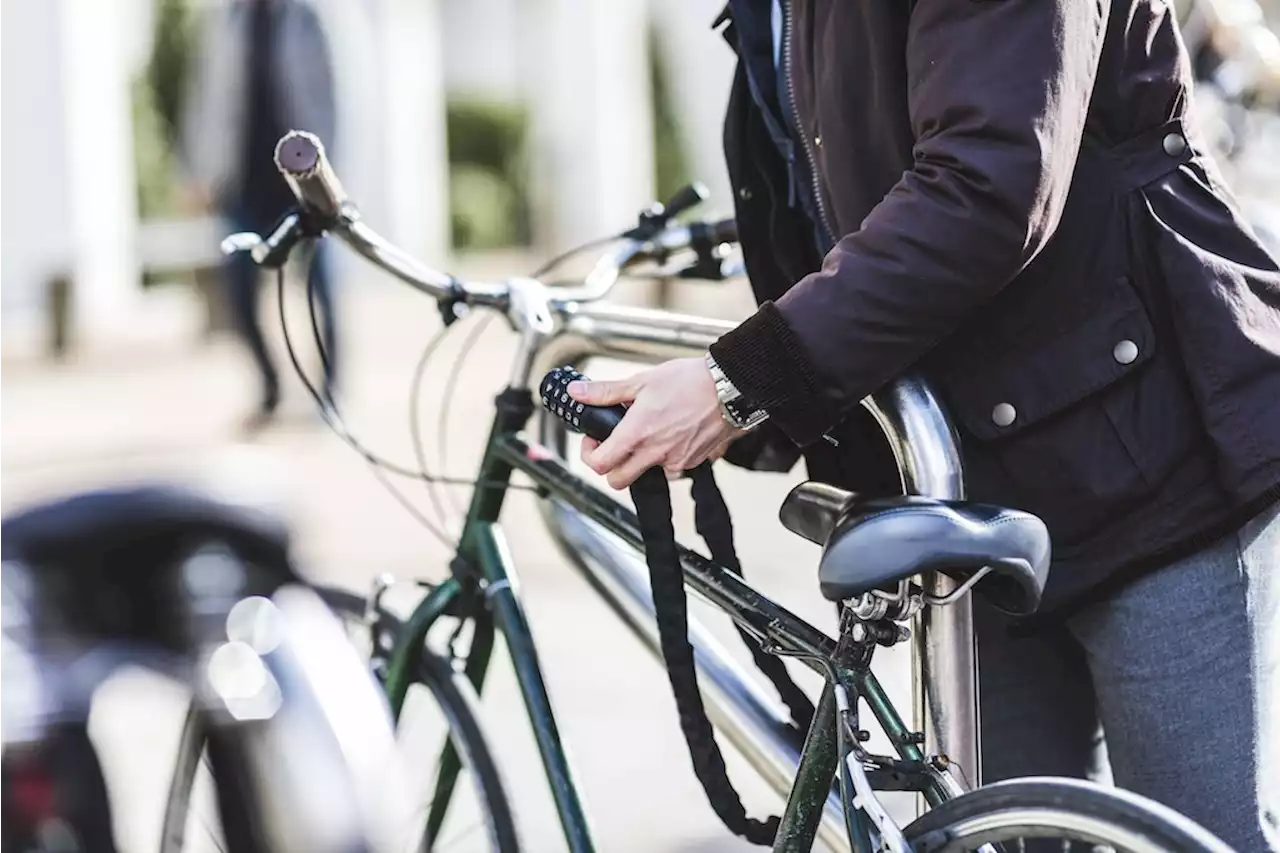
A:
[204,593]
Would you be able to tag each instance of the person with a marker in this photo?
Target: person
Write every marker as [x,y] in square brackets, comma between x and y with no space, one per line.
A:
[1009,198]
[264,69]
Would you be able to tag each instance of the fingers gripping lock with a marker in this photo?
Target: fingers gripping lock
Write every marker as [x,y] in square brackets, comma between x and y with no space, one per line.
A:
[594,421]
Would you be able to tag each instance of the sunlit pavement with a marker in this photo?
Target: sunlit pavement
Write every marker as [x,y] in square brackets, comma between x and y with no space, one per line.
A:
[168,406]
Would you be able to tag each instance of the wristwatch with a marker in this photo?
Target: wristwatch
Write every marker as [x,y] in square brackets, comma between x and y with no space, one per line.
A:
[737,410]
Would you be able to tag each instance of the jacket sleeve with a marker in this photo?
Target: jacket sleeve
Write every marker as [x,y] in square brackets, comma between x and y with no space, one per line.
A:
[999,91]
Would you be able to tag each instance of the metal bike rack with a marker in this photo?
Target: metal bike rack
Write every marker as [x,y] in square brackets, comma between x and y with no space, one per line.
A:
[945,699]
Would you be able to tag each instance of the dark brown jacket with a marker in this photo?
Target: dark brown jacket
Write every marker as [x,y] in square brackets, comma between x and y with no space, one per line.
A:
[1025,215]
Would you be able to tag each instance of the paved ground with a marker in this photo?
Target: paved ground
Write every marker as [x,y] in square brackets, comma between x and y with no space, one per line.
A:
[164,405]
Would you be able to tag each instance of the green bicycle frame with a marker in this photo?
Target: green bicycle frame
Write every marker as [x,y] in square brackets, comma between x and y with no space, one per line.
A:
[483,589]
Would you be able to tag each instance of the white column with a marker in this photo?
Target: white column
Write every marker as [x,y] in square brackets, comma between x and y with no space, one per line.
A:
[355,52]
[413,152]
[101,183]
[699,73]
[351,28]
[37,236]
[592,117]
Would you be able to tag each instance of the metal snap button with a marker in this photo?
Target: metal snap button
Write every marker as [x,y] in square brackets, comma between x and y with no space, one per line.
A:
[1174,144]
[1004,414]
[1125,352]
[745,193]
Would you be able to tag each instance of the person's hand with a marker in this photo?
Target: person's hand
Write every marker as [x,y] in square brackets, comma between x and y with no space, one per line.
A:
[673,421]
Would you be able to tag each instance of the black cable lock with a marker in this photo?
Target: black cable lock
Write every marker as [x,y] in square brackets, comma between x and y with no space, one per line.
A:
[651,494]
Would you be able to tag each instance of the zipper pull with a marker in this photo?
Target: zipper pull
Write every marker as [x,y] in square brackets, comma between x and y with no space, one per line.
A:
[829,439]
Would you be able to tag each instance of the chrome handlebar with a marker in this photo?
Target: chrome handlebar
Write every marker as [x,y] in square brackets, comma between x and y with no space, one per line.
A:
[324,206]
[301,160]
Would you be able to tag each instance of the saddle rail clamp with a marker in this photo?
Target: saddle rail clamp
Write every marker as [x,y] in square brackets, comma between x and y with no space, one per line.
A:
[926,448]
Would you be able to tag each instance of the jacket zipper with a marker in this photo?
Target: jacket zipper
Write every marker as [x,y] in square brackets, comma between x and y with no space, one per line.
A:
[823,222]
[787,39]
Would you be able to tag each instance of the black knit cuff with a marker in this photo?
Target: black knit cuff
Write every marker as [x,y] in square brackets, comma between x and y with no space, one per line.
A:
[763,359]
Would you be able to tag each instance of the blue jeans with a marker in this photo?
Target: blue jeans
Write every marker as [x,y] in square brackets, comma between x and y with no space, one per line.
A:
[243,278]
[1172,685]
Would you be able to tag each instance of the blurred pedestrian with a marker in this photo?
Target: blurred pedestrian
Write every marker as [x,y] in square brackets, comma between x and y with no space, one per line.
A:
[263,68]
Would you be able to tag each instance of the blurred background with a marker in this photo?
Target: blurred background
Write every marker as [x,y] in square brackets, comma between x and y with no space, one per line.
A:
[482,136]
[460,126]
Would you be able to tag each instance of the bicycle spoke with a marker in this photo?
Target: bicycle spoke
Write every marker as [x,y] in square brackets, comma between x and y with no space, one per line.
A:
[437,808]
[447,776]
[213,836]
[201,818]
[460,836]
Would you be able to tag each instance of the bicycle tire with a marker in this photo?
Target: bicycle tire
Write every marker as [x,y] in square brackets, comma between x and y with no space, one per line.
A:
[1092,813]
[449,689]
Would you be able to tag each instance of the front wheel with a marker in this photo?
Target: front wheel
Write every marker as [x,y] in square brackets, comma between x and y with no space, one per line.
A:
[440,709]
[1058,815]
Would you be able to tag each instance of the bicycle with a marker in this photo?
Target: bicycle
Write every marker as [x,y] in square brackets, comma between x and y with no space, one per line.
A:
[827,777]
[201,591]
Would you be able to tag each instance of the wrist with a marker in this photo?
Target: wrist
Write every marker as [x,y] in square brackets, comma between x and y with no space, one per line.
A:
[737,410]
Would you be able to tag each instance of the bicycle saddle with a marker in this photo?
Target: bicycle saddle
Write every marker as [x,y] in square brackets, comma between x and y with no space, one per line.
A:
[869,543]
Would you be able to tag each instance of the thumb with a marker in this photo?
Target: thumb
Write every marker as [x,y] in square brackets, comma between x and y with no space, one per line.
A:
[597,393]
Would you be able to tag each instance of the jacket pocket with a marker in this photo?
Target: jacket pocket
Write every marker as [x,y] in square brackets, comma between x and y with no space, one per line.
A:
[1078,429]
[1004,396]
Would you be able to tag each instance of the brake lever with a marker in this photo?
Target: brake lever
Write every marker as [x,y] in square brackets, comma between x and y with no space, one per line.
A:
[273,251]
[713,257]
[241,241]
[657,215]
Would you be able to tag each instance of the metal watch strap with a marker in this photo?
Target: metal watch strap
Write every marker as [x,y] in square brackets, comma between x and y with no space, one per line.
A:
[737,410]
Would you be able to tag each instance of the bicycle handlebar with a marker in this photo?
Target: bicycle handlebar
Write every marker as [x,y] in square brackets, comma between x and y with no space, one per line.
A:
[301,159]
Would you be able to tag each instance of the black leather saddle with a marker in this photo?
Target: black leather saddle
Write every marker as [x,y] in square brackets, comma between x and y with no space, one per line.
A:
[871,543]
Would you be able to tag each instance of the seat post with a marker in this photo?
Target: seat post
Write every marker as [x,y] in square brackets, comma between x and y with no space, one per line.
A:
[944,659]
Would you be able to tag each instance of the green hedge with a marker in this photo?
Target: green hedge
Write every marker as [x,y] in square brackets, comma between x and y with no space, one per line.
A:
[157,104]
[489,163]
[169,65]
[671,162]
[488,174]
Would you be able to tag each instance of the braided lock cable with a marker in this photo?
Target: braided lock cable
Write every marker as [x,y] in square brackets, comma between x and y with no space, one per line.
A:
[652,498]
[712,521]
